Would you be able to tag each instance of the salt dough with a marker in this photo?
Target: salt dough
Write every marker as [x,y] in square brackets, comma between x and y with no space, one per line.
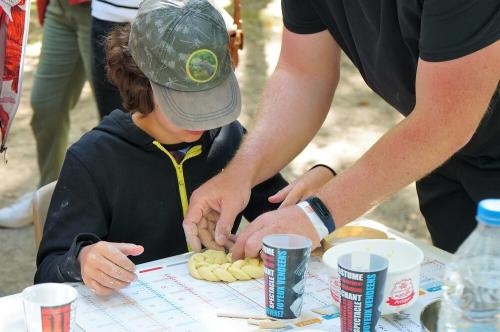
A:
[214,265]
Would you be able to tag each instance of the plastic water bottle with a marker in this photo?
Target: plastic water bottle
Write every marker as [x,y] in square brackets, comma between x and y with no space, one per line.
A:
[471,290]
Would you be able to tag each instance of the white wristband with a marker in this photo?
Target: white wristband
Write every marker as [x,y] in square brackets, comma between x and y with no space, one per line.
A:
[314,219]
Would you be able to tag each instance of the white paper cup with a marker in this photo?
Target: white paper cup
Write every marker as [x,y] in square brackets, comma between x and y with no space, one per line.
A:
[49,307]
[403,275]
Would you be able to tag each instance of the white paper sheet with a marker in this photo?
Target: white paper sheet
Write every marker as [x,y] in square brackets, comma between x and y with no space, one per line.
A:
[167,298]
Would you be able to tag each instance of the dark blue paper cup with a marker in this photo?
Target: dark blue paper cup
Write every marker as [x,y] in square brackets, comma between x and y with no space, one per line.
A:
[362,280]
[285,259]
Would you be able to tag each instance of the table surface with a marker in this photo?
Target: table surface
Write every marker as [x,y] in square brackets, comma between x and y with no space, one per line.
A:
[11,307]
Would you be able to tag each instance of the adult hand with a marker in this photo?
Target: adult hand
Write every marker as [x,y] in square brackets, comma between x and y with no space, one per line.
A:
[226,195]
[105,266]
[206,232]
[303,187]
[289,220]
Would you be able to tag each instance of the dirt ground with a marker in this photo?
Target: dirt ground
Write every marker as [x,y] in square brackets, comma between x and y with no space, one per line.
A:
[357,119]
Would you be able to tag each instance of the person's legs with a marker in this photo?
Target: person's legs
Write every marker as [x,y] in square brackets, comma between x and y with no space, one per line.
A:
[448,209]
[80,14]
[57,86]
[63,67]
[107,95]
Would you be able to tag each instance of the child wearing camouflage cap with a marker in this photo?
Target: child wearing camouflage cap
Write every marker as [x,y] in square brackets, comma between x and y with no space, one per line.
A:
[124,186]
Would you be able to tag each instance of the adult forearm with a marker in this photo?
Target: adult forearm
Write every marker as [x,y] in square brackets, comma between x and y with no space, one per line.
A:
[405,154]
[291,111]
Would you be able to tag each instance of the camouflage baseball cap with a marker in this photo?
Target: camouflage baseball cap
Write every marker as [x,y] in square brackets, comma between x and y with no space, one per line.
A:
[182,47]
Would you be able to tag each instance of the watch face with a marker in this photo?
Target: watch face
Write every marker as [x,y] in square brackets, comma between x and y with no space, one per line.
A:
[322,211]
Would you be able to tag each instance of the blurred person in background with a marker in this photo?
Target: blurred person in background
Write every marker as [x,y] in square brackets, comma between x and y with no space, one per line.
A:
[63,68]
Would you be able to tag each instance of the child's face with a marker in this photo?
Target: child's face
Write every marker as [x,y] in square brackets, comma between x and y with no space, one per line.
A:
[170,129]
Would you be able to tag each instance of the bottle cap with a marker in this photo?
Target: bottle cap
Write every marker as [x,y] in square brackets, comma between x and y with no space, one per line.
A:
[488,211]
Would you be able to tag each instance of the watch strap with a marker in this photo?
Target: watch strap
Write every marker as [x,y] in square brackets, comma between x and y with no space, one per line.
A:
[322,211]
[314,219]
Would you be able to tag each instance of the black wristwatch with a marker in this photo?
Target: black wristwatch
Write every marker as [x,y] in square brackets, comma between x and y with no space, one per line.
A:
[322,211]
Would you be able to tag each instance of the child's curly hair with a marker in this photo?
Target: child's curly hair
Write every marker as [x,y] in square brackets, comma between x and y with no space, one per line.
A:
[135,89]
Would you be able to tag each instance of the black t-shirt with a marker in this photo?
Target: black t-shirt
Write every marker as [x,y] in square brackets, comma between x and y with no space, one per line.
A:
[385,38]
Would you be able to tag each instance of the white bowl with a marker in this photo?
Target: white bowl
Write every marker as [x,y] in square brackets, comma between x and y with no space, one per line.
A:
[403,275]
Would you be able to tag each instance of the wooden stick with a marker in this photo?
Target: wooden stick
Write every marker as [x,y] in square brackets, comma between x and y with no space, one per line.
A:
[257,321]
[271,325]
[267,323]
[243,316]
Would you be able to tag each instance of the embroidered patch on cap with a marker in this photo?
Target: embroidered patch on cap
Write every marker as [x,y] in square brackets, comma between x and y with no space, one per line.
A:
[201,66]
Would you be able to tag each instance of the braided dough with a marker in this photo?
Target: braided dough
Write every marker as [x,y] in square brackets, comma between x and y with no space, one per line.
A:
[214,265]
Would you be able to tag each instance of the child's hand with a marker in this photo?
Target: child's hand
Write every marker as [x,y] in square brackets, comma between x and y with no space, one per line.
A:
[303,187]
[105,266]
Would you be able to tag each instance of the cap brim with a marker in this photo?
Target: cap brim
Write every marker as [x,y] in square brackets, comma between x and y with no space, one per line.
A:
[200,110]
